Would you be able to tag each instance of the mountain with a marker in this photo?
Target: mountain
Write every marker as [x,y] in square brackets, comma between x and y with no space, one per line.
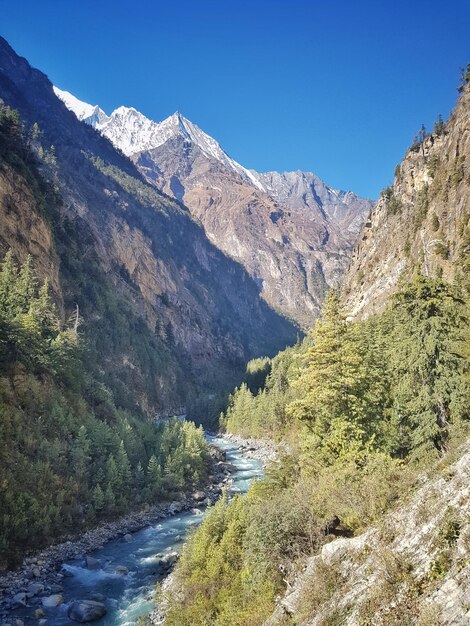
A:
[293,233]
[168,316]
[420,222]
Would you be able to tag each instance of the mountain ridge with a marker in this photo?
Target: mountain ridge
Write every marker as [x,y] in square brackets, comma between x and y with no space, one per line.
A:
[291,231]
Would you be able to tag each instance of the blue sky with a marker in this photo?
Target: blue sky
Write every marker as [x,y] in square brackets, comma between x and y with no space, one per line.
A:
[338,88]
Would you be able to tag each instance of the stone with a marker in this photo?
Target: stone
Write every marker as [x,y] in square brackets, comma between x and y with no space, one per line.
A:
[52,601]
[38,613]
[121,570]
[168,560]
[92,563]
[127,537]
[83,611]
[175,507]
[19,599]
[33,589]
[36,572]
[199,496]
[97,597]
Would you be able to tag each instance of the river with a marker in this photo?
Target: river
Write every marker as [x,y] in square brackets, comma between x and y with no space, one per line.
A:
[130,596]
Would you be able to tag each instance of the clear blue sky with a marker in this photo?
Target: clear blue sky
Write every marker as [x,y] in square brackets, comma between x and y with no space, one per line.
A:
[338,88]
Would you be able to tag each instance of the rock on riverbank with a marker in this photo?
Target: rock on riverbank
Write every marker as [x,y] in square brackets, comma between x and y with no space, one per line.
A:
[264,450]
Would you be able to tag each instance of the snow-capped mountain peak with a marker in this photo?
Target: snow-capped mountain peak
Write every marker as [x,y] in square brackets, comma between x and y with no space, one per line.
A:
[82,110]
[132,132]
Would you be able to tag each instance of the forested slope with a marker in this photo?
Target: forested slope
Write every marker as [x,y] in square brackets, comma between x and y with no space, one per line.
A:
[70,452]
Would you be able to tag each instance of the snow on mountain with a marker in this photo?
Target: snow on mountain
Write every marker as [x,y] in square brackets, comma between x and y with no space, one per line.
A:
[90,113]
[132,132]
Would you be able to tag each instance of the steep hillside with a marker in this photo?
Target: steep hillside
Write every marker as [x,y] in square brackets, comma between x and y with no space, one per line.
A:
[412,569]
[169,316]
[292,232]
[421,221]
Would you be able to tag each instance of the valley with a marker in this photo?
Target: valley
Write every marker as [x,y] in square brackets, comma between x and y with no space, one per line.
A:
[315,342]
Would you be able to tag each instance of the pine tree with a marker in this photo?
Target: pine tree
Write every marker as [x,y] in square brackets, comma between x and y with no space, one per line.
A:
[426,355]
[154,478]
[8,276]
[98,499]
[439,126]
[25,287]
[124,469]
[339,388]
[112,474]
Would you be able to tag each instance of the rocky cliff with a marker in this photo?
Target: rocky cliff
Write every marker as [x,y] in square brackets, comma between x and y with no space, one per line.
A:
[421,222]
[293,233]
[413,569]
[168,314]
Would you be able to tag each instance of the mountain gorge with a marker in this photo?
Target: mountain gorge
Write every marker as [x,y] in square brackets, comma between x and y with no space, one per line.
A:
[145,273]
[292,232]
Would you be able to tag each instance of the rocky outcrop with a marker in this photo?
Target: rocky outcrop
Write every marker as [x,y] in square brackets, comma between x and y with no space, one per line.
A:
[413,569]
[293,233]
[421,222]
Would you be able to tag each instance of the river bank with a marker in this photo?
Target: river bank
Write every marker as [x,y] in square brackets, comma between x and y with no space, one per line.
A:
[265,451]
[32,591]
[41,575]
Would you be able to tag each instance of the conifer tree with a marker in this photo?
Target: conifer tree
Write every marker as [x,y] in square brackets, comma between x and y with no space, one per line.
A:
[340,393]
[25,287]
[8,276]
[426,355]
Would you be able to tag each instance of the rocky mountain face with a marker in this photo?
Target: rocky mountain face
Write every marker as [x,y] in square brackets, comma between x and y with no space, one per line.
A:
[419,223]
[167,313]
[413,569]
[292,232]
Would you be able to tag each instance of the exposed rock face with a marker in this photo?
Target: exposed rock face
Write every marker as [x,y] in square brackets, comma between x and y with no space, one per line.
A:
[421,222]
[198,312]
[292,232]
[412,570]
[294,236]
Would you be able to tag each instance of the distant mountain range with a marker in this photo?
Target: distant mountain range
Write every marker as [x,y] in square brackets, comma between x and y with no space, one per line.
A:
[292,232]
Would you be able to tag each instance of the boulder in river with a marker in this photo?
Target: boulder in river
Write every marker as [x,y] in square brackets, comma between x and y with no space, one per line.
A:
[121,570]
[127,537]
[52,601]
[167,561]
[97,597]
[92,563]
[83,611]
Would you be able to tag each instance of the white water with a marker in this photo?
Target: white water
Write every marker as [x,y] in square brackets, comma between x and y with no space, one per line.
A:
[131,596]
